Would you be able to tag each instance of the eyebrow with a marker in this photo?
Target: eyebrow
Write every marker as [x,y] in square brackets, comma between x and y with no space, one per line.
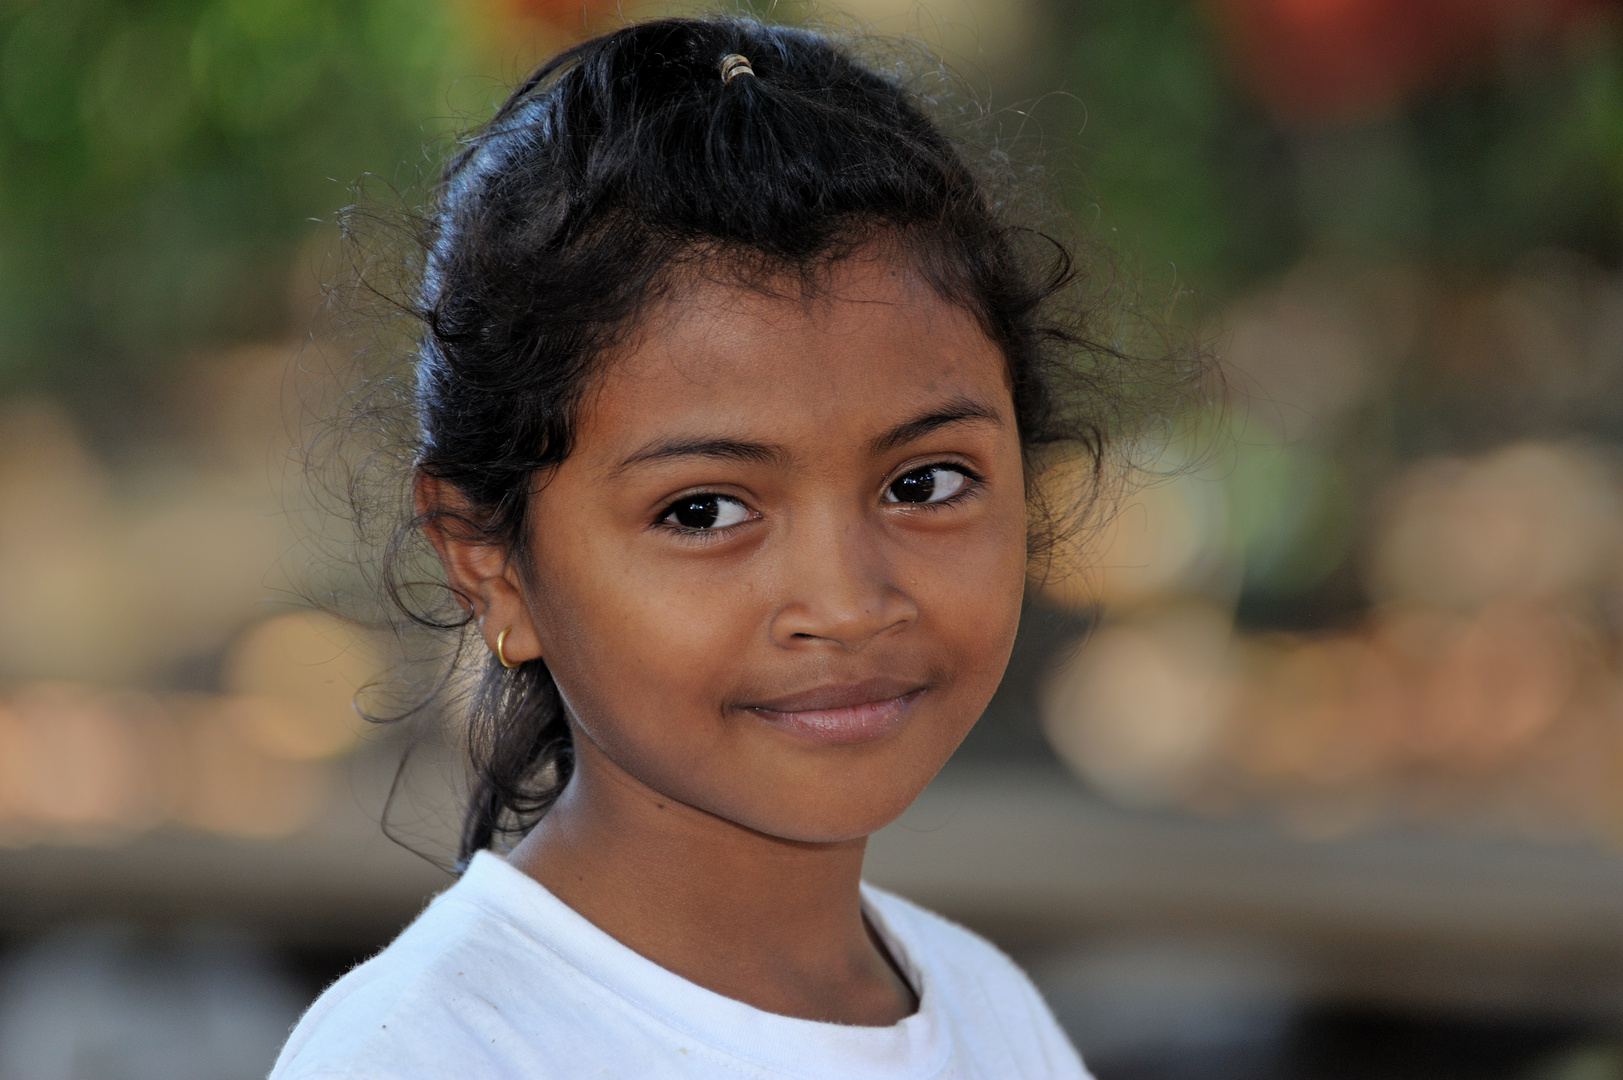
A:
[956,411]
[716,449]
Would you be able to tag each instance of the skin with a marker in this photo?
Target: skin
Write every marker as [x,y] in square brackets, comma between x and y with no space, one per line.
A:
[721,844]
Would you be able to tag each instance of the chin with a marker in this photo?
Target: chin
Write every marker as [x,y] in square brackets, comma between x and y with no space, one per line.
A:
[848,796]
[834,812]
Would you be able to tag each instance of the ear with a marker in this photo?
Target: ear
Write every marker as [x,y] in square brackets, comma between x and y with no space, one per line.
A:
[479,572]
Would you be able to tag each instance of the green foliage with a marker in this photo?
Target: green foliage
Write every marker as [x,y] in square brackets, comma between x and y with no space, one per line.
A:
[1289,505]
[1529,159]
[1523,152]
[1180,165]
[160,161]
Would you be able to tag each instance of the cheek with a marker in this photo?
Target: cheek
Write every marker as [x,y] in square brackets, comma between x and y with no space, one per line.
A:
[974,598]
[686,628]
[630,639]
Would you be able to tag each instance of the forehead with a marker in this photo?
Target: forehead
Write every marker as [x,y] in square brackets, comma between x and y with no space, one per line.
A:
[871,345]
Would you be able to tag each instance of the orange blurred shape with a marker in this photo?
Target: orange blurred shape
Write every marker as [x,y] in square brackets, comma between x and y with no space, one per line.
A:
[1486,686]
[234,788]
[1136,710]
[1529,520]
[1327,61]
[1170,536]
[83,765]
[292,681]
[1319,712]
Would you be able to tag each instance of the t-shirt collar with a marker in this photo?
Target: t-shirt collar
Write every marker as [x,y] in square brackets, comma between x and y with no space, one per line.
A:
[914,1048]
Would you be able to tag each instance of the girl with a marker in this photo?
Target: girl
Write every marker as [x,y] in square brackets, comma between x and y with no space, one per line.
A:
[730,387]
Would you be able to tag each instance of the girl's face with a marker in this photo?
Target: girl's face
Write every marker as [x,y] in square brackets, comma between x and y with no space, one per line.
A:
[778,577]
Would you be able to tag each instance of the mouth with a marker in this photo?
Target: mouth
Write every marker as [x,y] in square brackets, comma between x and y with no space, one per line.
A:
[843,712]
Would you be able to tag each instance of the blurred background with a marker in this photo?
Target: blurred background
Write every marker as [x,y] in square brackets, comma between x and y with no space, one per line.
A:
[1335,789]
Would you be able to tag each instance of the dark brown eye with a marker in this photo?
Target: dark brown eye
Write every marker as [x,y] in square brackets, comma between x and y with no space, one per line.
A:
[705,511]
[932,483]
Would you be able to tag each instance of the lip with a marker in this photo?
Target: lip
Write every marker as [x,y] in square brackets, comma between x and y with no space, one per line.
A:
[842,712]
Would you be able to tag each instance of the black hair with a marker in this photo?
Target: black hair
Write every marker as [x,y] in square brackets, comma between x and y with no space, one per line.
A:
[628,161]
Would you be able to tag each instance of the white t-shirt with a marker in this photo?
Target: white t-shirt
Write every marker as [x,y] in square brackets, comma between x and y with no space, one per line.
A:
[500,980]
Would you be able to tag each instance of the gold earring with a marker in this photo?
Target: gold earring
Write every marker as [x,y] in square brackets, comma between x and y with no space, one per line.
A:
[501,640]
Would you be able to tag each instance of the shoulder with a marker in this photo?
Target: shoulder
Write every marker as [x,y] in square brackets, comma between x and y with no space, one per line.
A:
[988,999]
[438,1002]
[388,1005]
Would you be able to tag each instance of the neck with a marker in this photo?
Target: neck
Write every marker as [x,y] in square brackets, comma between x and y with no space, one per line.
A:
[775,923]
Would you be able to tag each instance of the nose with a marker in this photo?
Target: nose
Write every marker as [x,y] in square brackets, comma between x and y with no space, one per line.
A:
[840,589]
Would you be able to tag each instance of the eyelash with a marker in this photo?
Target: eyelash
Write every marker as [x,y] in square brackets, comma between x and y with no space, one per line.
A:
[971,488]
[972,485]
[697,536]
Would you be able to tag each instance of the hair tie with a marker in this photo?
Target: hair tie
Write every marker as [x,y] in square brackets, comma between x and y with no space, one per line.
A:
[734,64]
